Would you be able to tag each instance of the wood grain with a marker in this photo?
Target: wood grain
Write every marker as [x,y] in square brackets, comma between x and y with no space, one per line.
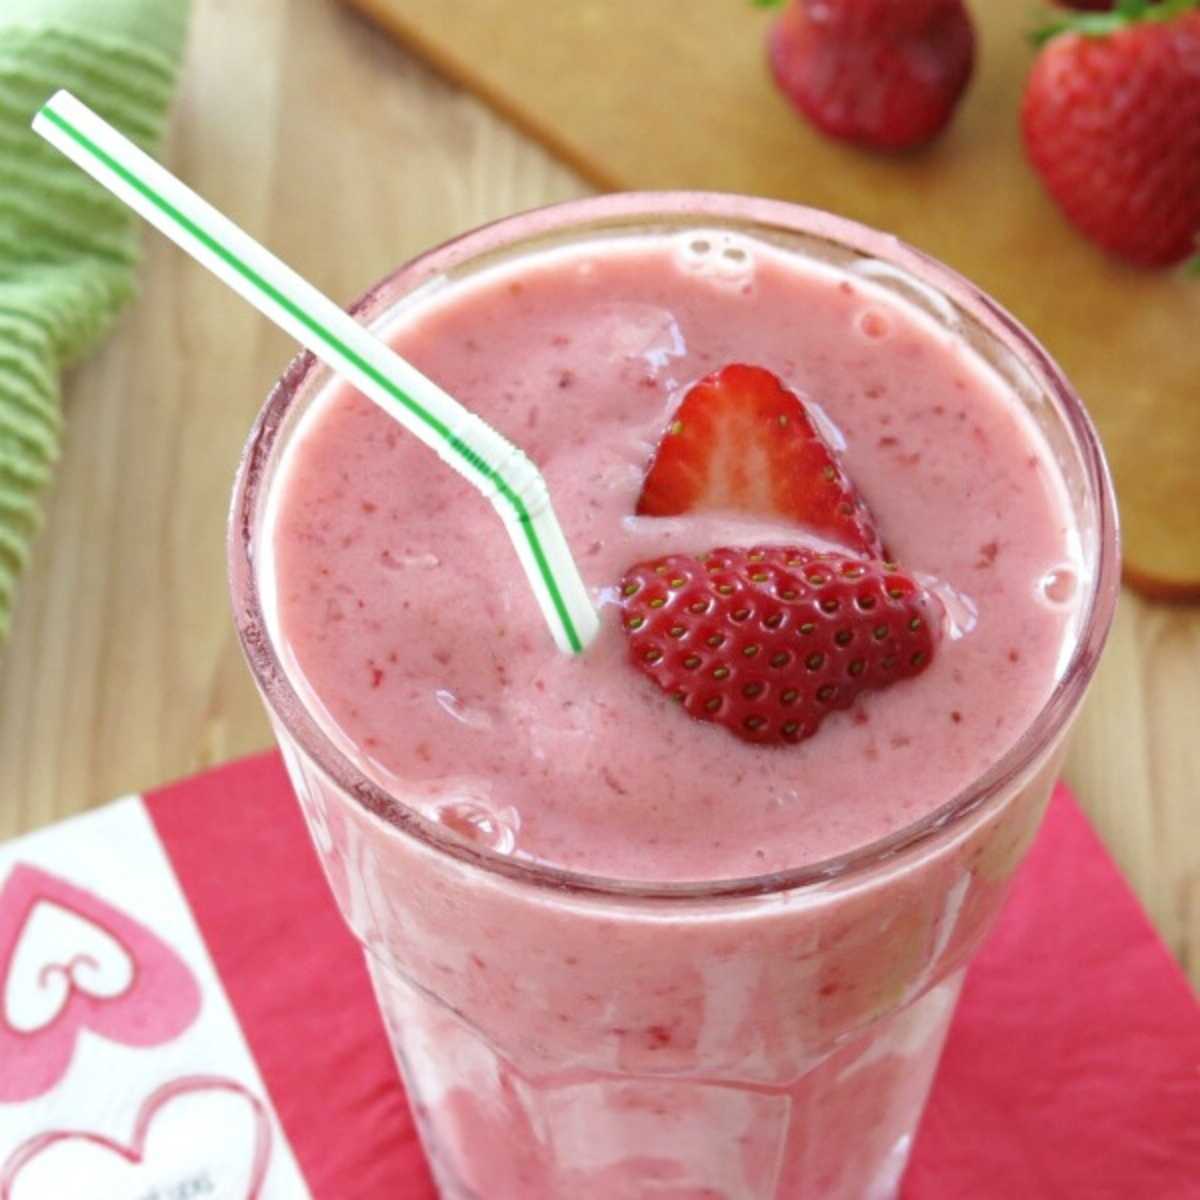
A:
[345,155]
[638,97]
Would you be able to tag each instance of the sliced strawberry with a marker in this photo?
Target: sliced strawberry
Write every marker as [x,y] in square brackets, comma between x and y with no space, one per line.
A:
[743,442]
[769,640]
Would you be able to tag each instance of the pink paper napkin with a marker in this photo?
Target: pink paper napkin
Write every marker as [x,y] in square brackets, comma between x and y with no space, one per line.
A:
[1072,1069]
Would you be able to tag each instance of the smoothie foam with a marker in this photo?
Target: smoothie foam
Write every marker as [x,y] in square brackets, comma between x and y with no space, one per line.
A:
[412,628]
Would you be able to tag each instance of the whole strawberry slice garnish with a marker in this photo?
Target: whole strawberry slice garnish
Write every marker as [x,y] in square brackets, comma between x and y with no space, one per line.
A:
[881,73]
[741,441]
[1111,119]
[769,640]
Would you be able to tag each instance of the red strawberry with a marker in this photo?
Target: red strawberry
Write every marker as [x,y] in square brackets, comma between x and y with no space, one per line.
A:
[1111,120]
[769,640]
[882,73]
[741,441]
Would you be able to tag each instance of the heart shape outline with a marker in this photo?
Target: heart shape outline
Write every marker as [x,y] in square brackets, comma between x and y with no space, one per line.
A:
[133,1152]
[92,948]
[161,1001]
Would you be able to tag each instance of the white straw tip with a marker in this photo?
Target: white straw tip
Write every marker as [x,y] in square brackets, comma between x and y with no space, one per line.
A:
[60,99]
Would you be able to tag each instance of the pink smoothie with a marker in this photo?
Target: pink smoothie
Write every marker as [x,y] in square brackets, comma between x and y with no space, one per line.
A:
[413,626]
[561,1043]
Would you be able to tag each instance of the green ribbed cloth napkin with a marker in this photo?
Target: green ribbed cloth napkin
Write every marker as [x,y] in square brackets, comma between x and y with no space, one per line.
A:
[67,248]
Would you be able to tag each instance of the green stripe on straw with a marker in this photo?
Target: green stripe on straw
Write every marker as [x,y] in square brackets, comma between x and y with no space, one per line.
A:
[575,621]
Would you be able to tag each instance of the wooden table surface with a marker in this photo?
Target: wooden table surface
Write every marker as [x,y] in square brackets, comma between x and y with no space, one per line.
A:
[346,156]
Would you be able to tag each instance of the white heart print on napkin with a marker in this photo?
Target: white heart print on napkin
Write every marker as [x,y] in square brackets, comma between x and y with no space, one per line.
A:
[70,961]
[124,1071]
[89,960]
[196,1137]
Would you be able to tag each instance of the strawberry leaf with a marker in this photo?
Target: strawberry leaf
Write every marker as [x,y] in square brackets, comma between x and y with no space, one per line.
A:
[1104,24]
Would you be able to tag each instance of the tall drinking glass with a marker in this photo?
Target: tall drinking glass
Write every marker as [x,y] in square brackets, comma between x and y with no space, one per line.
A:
[571,1037]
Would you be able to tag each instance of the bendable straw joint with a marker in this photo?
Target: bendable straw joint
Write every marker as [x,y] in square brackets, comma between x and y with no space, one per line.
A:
[506,473]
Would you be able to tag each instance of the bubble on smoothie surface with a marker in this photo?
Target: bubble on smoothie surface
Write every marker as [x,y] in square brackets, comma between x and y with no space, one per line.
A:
[1060,584]
[725,259]
[874,325]
[476,823]
[898,280]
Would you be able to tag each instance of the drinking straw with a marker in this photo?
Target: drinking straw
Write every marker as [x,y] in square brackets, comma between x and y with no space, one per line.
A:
[501,471]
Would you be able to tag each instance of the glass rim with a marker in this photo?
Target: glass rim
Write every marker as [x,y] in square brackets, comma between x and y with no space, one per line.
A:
[633,208]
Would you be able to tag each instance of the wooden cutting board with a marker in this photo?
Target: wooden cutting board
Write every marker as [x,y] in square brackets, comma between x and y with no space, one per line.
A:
[650,94]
